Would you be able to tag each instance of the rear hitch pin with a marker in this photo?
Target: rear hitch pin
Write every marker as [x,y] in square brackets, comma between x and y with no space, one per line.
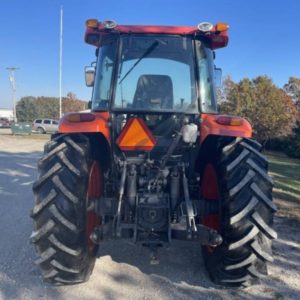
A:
[153,255]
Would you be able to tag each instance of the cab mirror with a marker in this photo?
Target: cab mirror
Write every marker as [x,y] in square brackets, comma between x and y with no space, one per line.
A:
[89,76]
[218,77]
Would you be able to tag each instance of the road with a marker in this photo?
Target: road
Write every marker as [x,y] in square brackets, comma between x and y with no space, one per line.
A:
[123,271]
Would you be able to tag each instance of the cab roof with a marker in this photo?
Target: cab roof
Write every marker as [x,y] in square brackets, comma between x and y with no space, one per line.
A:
[216,36]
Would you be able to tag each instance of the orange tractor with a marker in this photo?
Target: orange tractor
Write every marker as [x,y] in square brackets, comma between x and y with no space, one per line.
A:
[153,161]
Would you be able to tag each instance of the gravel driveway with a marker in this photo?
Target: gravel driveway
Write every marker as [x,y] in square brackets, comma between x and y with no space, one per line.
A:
[123,271]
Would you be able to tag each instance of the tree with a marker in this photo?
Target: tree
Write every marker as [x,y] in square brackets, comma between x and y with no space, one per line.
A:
[47,107]
[270,110]
[293,143]
[26,109]
[292,88]
[223,91]
[30,108]
[72,96]
[71,103]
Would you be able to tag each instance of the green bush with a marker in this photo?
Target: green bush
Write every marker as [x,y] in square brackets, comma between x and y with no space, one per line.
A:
[289,145]
[279,144]
[292,148]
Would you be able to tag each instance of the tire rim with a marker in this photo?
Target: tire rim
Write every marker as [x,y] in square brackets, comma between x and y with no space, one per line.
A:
[210,193]
[94,191]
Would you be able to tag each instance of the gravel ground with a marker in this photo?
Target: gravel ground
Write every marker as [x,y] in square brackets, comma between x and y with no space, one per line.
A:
[123,271]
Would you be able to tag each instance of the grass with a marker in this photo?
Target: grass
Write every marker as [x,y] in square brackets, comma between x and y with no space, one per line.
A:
[286,175]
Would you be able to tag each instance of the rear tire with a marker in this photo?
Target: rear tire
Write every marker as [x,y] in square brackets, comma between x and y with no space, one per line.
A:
[61,234]
[242,213]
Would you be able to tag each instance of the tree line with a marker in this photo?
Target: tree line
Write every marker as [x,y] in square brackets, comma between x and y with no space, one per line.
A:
[273,112]
[30,108]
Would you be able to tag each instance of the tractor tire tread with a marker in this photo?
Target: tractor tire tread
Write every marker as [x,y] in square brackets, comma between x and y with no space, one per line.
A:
[63,220]
[248,211]
[247,261]
[59,211]
[45,255]
[61,267]
[62,247]
[245,211]
[50,274]
[59,184]
[48,199]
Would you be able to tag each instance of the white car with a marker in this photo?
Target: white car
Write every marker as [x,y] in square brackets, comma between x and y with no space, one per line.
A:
[45,125]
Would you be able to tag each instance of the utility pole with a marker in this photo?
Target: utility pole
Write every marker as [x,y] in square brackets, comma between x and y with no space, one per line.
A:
[12,80]
[60,59]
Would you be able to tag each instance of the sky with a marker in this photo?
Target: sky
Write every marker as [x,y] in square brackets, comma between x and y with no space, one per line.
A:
[264,38]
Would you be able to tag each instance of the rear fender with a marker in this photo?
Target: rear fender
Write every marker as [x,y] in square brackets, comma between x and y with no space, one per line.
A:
[212,125]
[215,135]
[95,127]
[85,122]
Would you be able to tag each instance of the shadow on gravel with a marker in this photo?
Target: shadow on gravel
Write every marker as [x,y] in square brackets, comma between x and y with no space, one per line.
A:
[283,279]
[288,208]
[18,274]
[17,170]
[181,270]
[181,262]
[181,273]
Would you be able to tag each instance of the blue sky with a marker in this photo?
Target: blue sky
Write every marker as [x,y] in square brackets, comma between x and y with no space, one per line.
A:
[264,38]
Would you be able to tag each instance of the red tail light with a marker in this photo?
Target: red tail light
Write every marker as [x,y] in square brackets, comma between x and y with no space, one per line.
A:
[80,117]
[230,121]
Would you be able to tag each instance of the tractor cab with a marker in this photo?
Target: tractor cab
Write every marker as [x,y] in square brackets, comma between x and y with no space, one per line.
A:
[154,69]
[162,76]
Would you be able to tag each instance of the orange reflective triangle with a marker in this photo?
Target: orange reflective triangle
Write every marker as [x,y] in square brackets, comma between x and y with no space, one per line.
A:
[136,136]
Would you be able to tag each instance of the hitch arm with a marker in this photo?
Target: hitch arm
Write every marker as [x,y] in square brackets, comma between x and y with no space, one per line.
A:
[120,200]
[204,234]
[190,215]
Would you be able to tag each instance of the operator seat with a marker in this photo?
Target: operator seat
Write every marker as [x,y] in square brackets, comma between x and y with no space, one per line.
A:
[154,92]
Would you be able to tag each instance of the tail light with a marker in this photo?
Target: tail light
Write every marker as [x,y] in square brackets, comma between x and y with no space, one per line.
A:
[80,117]
[230,121]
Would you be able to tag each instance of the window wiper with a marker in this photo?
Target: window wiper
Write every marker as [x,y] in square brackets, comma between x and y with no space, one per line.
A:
[146,53]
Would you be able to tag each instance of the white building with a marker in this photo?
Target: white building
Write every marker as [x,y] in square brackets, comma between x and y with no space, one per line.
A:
[6,113]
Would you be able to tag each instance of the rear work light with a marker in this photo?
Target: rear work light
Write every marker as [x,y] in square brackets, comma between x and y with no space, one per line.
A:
[222,27]
[91,23]
[205,26]
[79,117]
[230,121]
[109,24]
